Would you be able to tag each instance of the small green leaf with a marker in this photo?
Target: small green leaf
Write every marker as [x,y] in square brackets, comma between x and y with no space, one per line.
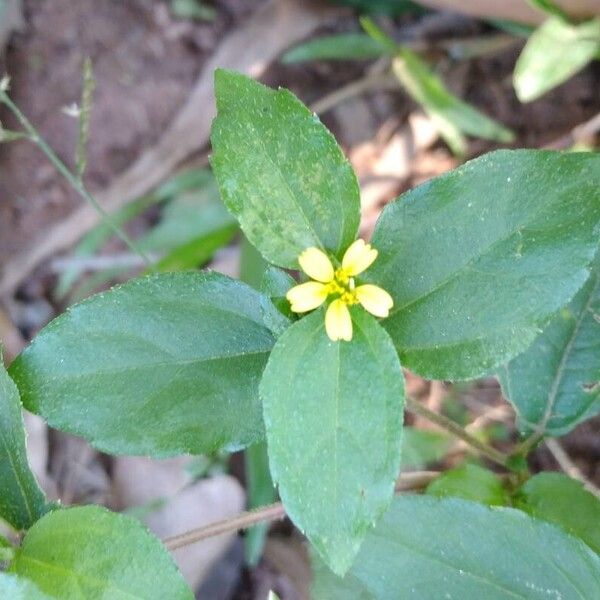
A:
[422,447]
[161,365]
[280,172]
[563,501]
[451,115]
[449,548]
[343,46]
[333,415]
[22,502]
[554,53]
[18,588]
[470,482]
[478,259]
[555,384]
[90,553]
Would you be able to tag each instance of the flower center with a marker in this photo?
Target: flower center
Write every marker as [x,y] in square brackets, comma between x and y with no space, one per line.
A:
[343,286]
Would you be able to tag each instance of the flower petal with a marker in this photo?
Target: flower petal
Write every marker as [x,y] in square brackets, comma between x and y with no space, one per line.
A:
[307,296]
[358,257]
[338,323]
[316,264]
[374,299]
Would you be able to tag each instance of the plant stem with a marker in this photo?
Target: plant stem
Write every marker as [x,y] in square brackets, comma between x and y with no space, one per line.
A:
[455,429]
[272,512]
[75,182]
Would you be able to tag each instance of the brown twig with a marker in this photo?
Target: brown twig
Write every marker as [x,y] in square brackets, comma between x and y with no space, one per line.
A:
[355,88]
[272,512]
[569,467]
[581,133]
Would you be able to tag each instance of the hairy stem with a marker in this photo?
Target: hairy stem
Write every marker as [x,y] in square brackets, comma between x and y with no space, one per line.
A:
[272,512]
[455,429]
[75,182]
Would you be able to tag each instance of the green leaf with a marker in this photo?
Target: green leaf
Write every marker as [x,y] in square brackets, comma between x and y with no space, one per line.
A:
[451,115]
[383,7]
[478,259]
[197,252]
[280,172]
[342,46]
[554,53]
[563,501]
[422,447]
[550,7]
[333,415]
[450,548]
[470,482]
[188,217]
[22,502]
[161,365]
[555,384]
[261,491]
[17,588]
[276,283]
[90,553]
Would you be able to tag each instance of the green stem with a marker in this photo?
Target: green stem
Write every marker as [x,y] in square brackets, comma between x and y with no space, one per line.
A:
[75,182]
[455,429]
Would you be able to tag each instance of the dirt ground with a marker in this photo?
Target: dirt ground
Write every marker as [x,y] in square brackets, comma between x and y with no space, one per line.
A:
[146,63]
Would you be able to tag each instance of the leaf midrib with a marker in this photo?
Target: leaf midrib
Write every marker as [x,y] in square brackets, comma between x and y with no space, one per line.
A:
[171,363]
[562,365]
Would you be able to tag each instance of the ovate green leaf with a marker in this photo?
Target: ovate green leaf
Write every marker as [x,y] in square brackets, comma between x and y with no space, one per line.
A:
[554,53]
[22,502]
[478,259]
[555,383]
[161,365]
[90,553]
[428,549]
[280,172]
[565,502]
[470,482]
[333,415]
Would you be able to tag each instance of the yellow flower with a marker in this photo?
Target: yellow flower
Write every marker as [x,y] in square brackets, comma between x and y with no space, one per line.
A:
[339,283]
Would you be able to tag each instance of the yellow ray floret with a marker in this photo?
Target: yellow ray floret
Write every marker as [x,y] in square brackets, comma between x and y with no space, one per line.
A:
[374,299]
[358,258]
[338,323]
[340,285]
[307,296]
[316,264]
